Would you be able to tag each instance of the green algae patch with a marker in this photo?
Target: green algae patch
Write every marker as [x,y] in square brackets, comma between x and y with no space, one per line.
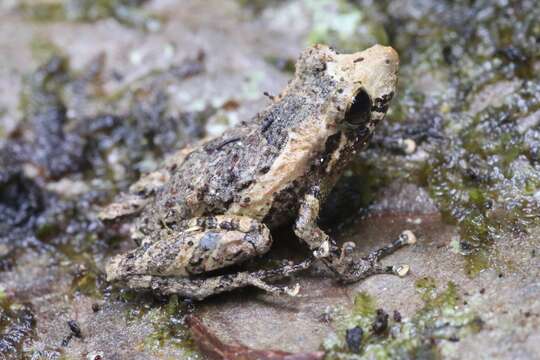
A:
[426,288]
[364,305]
[485,180]
[163,319]
[385,337]
[43,49]
[476,262]
[170,329]
[127,12]
[87,284]
[43,11]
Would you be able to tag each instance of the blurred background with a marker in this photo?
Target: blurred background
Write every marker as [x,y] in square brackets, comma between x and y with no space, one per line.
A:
[95,93]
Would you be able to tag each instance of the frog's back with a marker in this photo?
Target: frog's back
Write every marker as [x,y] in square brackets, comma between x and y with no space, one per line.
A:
[221,176]
[261,168]
[212,176]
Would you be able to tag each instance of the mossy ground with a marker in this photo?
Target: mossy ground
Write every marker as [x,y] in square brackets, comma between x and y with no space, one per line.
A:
[469,97]
[440,319]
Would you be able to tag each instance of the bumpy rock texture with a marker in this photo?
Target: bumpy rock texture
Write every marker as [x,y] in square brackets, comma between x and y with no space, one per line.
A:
[92,94]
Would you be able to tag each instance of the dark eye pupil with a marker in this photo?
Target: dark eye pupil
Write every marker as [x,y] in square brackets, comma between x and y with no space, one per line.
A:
[360,110]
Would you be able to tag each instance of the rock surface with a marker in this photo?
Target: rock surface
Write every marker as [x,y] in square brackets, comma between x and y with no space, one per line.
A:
[129,86]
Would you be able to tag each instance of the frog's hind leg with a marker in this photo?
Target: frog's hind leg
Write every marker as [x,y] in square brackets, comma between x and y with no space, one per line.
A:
[194,248]
[199,289]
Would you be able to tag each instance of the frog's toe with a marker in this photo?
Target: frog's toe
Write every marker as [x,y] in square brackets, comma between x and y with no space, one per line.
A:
[401,270]
[407,237]
[323,250]
[294,291]
[347,249]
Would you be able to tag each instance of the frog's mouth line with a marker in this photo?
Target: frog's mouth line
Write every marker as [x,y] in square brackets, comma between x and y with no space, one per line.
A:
[359,112]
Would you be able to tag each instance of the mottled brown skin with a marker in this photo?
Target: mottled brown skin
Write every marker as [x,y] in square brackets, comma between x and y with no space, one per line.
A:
[216,205]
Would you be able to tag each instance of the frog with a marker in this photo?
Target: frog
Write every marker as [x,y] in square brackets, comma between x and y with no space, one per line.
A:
[216,204]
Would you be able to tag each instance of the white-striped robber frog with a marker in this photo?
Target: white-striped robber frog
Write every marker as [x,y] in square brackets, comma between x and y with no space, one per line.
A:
[215,205]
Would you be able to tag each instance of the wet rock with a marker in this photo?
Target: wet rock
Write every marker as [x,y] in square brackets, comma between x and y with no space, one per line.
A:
[354,339]
[397,316]
[22,201]
[75,329]
[380,324]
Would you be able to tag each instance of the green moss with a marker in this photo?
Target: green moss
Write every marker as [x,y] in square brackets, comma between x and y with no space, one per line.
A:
[169,329]
[127,12]
[364,304]
[426,288]
[43,49]
[43,11]
[440,319]
[87,284]
[3,296]
[485,181]
[482,163]
[476,262]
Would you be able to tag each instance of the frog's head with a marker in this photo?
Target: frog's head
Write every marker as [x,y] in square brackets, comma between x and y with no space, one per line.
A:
[351,91]
[332,92]
[370,83]
[338,99]
[362,83]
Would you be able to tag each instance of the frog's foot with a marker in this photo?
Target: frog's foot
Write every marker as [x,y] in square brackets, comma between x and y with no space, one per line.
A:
[350,270]
[342,261]
[199,289]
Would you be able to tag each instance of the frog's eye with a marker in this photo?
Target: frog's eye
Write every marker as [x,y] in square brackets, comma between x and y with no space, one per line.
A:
[360,111]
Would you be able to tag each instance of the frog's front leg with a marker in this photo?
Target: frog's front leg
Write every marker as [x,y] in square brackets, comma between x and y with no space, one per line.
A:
[341,261]
[197,247]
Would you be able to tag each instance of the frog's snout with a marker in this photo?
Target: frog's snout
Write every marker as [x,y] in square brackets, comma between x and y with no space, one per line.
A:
[384,58]
[391,57]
